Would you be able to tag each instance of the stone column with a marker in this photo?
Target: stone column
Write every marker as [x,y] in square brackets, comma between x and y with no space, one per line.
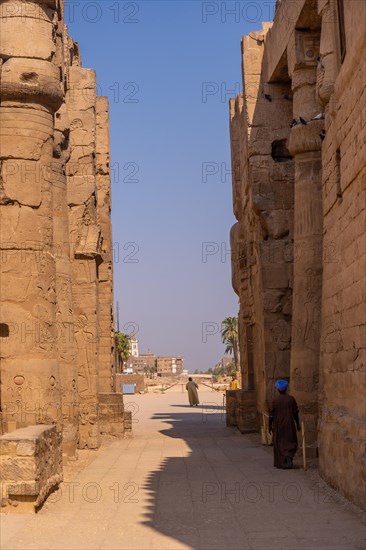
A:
[31,93]
[111,416]
[237,243]
[327,66]
[85,252]
[105,272]
[263,204]
[305,146]
[64,314]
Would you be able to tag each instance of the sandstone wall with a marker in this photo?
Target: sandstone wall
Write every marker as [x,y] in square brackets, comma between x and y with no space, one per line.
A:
[298,262]
[343,354]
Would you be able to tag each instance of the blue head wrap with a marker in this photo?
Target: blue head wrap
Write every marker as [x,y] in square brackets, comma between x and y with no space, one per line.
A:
[281,385]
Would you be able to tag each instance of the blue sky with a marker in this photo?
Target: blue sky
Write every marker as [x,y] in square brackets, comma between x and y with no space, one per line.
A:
[169,68]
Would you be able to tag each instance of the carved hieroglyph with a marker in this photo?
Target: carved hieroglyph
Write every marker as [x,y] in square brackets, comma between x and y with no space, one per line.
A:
[64,313]
[85,239]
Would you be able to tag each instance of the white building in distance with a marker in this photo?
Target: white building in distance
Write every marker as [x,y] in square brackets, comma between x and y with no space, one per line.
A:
[134,346]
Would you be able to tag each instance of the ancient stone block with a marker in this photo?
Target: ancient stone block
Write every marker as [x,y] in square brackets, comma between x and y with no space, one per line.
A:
[241,410]
[31,465]
[111,414]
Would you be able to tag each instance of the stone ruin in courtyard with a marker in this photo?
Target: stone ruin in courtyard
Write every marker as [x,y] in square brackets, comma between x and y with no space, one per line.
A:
[298,141]
[56,318]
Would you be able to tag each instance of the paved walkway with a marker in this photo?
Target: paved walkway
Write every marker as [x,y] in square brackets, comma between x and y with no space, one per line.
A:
[185,481]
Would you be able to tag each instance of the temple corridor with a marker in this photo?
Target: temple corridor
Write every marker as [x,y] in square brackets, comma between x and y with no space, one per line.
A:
[185,481]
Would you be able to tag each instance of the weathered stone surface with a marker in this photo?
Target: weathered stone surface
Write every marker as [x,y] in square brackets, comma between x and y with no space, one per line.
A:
[263,205]
[27,31]
[241,410]
[305,146]
[85,239]
[111,414]
[35,80]
[342,379]
[105,272]
[30,374]
[301,275]
[30,464]
[57,334]
[64,307]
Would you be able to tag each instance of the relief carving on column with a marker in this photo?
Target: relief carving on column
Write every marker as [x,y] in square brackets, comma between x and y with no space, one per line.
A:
[327,56]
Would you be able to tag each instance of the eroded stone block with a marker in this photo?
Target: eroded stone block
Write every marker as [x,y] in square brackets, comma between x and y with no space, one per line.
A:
[31,465]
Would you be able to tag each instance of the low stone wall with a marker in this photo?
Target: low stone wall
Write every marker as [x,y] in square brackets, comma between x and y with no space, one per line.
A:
[30,466]
[111,414]
[241,410]
[137,379]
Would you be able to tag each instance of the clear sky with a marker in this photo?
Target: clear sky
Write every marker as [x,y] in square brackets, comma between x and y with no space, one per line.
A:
[169,68]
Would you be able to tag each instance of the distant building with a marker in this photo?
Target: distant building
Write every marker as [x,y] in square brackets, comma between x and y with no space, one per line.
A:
[134,346]
[144,363]
[149,363]
[167,366]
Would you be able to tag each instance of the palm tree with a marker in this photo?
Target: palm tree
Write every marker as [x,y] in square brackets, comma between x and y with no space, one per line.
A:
[123,346]
[229,336]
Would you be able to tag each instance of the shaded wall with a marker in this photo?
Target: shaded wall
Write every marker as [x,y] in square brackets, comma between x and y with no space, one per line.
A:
[343,339]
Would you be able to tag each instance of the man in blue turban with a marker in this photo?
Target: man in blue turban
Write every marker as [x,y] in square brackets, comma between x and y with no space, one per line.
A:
[283,421]
[281,385]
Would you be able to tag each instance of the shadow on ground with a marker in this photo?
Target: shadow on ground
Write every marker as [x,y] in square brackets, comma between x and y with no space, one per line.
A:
[225,493]
[183,505]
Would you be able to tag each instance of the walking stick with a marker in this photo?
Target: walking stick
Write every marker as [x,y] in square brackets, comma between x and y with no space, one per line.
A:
[303,444]
[263,431]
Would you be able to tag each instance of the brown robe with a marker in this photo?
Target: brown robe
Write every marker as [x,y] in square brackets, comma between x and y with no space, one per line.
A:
[191,387]
[282,417]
